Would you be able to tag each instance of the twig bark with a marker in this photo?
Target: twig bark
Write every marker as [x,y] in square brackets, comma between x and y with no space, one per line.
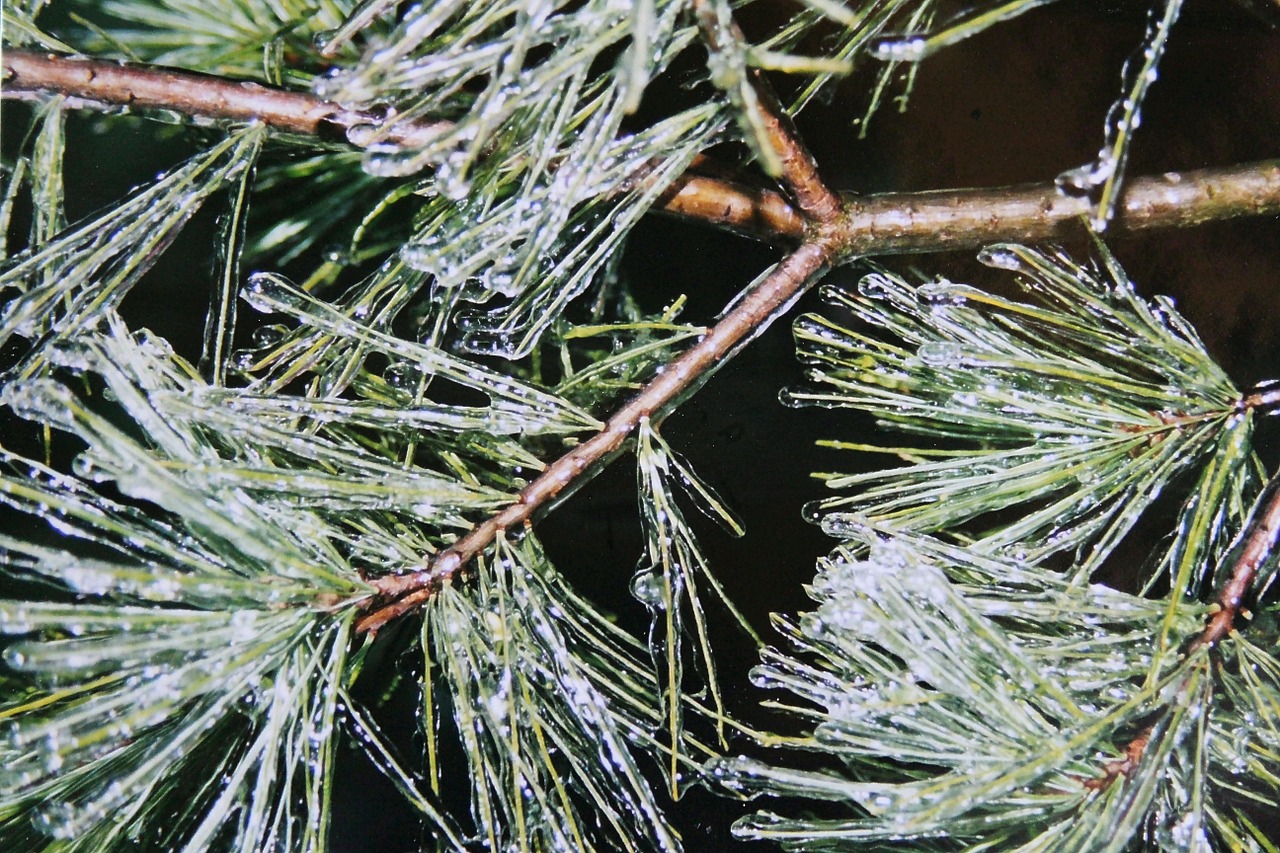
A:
[965,218]
[1256,543]
[104,83]
[880,224]
[799,170]
[1126,766]
[750,315]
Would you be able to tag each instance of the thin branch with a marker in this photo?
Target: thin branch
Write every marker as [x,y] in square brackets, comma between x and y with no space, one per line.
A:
[880,224]
[1113,770]
[799,170]
[748,317]
[941,220]
[759,213]
[105,83]
[1257,542]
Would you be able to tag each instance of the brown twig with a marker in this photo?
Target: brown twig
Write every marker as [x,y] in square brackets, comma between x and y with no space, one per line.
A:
[754,212]
[799,170]
[941,220]
[749,316]
[1257,542]
[1113,770]
[880,224]
[965,218]
[105,83]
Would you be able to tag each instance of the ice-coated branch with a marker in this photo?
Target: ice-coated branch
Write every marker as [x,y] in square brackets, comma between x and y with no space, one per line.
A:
[749,316]
[1256,544]
[798,170]
[106,84]
[940,220]
[879,224]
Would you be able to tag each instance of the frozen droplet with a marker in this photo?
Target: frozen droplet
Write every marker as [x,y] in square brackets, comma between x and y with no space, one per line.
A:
[388,161]
[268,293]
[874,286]
[71,356]
[14,618]
[944,293]
[244,360]
[363,135]
[941,353]
[267,336]
[1002,257]
[647,588]
[451,179]
[897,49]
[49,753]
[14,657]
[39,400]
[87,467]
[502,344]
[406,377]
[322,40]
[1084,181]
[724,72]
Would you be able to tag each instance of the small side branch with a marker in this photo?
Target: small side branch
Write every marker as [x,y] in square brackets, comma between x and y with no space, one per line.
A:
[759,213]
[1257,542]
[799,170]
[1126,766]
[881,224]
[750,315]
[104,83]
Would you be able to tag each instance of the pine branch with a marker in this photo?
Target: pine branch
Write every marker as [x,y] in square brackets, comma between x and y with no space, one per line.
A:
[746,318]
[749,317]
[880,224]
[1256,544]
[794,164]
[104,83]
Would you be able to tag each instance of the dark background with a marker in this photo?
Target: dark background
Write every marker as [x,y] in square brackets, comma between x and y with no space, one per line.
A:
[1020,103]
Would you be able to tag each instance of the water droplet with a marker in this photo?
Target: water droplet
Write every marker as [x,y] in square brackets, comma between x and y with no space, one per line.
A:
[267,336]
[647,588]
[14,658]
[363,135]
[941,353]
[943,293]
[1084,181]
[874,286]
[897,49]
[268,293]
[322,40]
[87,467]
[1003,257]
